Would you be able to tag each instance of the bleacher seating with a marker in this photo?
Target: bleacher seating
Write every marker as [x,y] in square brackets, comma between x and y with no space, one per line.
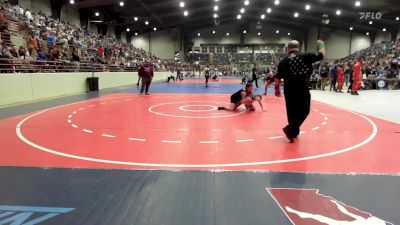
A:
[242,57]
[221,59]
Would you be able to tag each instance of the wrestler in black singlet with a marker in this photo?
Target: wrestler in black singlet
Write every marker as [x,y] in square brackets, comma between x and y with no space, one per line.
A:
[236,98]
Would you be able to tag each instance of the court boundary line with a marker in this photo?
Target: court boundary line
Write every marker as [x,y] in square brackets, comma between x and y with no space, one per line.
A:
[163,165]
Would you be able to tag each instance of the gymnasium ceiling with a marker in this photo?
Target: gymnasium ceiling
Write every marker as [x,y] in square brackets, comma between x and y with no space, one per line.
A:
[168,13]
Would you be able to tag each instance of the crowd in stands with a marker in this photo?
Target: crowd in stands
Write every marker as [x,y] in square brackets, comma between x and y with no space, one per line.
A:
[381,59]
[59,41]
[222,59]
[241,57]
[50,40]
[195,56]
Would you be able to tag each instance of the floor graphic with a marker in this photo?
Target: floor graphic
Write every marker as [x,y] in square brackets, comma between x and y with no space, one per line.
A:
[310,207]
[28,215]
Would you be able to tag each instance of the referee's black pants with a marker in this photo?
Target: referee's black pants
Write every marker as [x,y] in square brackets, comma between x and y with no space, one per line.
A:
[297,109]
[256,80]
[207,78]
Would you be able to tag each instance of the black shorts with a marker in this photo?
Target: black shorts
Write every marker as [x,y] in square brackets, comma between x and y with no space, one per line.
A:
[235,99]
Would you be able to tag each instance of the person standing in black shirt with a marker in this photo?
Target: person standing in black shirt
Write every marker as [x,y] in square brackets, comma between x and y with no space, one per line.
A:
[207,75]
[324,75]
[254,76]
[333,76]
[295,70]
[350,79]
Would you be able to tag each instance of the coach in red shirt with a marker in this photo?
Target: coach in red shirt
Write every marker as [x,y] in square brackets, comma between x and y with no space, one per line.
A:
[146,73]
[357,76]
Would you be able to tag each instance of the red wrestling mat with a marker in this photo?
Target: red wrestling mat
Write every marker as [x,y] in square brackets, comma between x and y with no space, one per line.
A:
[171,131]
[211,81]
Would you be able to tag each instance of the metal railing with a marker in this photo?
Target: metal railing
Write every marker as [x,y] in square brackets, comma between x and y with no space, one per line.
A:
[8,65]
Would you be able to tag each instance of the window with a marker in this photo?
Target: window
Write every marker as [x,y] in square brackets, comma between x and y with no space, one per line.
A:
[212,49]
[203,49]
[219,49]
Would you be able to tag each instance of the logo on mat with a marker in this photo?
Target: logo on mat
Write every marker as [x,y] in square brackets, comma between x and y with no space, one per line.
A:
[26,215]
[309,207]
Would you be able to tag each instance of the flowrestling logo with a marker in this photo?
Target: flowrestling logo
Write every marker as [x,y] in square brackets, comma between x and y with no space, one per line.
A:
[370,15]
[27,215]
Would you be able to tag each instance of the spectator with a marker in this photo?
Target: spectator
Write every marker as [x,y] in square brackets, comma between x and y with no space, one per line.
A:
[14,52]
[33,44]
[40,55]
[28,16]
[100,52]
[324,75]
[51,40]
[55,54]
[146,73]
[333,77]
[75,55]
[22,53]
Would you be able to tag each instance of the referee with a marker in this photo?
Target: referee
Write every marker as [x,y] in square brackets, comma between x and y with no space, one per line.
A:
[295,70]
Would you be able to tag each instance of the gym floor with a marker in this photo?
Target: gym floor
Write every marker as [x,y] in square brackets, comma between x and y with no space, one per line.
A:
[115,157]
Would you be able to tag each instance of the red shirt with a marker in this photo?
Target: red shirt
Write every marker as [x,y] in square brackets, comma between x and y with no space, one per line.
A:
[146,71]
[101,51]
[357,71]
[340,74]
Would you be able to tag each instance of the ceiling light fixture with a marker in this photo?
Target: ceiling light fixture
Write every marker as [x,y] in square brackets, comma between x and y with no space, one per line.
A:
[242,10]
[308,7]
[227,34]
[121,4]
[351,28]
[97,14]
[357,3]
[182,4]
[127,29]
[135,18]
[370,22]
[215,15]
[155,28]
[269,10]
[186,13]
[367,33]
[338,12]
[262,16]
[216,8]
[247,2]
[213,32]
[277,31]
[259,33]
[276,2]
[384,29]
[296,14]
[239,17]
[71,2]
[244,32]
[146,22]
[198,34]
